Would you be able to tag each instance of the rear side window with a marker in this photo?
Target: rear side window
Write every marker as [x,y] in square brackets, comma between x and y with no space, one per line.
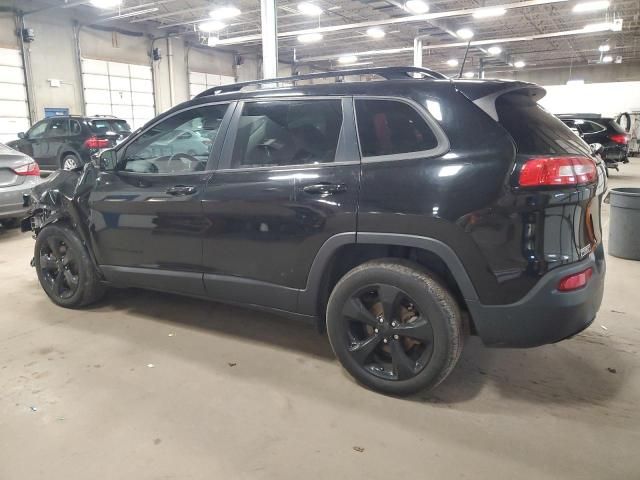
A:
[298,132]
[390,127]
[534,130]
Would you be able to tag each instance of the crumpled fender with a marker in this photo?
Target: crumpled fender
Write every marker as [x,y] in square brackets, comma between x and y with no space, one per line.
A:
[63,196]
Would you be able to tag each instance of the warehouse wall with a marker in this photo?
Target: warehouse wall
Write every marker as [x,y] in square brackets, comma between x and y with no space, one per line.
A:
[7,31]
[559,76]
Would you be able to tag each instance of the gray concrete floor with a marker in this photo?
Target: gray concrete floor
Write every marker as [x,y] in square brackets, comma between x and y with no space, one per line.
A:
[236,394]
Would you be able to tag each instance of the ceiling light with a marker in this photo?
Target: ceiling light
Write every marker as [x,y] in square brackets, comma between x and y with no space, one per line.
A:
[604,48]
[308,8]
[465,34]
[495,50]
[416,6]
[345,59]
[519,64]
[598,27]
[607,59]
[222,13]
[591,6]
[452,62]
[213,41]
[211,26]
[469,75]
[489,12]
[376,32]
[106,3]
[310,37]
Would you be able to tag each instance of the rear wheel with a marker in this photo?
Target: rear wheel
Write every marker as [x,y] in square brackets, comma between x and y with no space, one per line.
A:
[69,162]
[64,268]
[394,327]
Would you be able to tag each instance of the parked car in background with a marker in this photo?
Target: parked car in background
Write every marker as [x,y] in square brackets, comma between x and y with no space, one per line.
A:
[594,128]
[18,175]
[70,142]
[397,214]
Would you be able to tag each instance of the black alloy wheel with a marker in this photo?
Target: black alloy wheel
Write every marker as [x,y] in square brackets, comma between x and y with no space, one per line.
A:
[59,268]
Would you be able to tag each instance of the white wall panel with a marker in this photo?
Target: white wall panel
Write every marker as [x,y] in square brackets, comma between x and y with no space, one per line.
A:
[94,66]
[14,113]
[142,99]
[199,81]
[141,85]
[100,82]
[13,91]
[10,74]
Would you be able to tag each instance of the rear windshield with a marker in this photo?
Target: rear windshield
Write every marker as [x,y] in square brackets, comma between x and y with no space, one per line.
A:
[103,126]
[534,130]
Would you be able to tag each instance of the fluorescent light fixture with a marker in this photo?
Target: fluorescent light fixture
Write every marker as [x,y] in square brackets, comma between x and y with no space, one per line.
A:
[308,8]
[346,59]
[468,74]
[489,12]
[211,26]
[465,33]
[598,27]
[310,37]
[495,50]
[604,48]
[135,13]
[106,3]
[607,59]
[222,13]
[575,82]
[376,32]
[591,6]
[453,62]
[519,64]
[416,6]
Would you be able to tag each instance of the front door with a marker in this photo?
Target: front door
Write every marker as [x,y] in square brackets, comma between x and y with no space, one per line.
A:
[147,216]
[34,144]
[288,181]
[55,137]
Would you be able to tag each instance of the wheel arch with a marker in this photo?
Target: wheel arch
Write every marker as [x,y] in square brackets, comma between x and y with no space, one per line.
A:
[342,252]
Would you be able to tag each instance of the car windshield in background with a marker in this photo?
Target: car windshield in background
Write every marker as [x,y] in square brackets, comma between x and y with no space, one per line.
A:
[104,126]
[534,130]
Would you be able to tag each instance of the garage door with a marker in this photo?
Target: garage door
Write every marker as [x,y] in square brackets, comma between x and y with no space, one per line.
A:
[14,112]
[121,89]
[199,82]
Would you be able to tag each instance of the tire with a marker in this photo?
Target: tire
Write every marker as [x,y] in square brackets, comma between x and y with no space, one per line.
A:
[69,162]
[414,358]
[64,268]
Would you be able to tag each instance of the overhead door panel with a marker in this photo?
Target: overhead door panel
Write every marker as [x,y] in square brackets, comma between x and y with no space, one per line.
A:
[121,89]
[14,111]
[199,82]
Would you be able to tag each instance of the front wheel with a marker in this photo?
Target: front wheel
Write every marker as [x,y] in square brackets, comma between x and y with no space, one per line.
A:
[64,268]
[394,327]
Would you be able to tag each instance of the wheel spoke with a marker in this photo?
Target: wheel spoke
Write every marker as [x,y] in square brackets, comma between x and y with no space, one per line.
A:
[354,309]
[420,329]
[403,366]
[58,283]
[72,280]
[363,349]
[47,262]
[389,296]
[67,258]
[54,245]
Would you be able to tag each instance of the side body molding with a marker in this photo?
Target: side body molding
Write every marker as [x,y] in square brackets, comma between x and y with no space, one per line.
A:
[308,298]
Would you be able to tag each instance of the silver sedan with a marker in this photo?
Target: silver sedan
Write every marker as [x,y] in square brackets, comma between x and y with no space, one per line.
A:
[19,173]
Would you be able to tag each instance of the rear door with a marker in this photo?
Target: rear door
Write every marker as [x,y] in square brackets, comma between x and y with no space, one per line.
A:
[288,182]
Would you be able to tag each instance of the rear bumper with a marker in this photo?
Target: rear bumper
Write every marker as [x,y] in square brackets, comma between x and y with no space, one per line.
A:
[545,315]
[11,199]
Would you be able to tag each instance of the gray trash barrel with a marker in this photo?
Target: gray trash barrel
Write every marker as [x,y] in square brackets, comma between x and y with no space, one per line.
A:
[624,223]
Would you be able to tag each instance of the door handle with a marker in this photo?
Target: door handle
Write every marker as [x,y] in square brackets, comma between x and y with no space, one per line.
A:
[325,188]
[182,190]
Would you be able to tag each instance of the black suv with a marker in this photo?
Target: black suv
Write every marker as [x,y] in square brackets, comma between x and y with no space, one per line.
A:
[399,214]
[70,142]
[594,128]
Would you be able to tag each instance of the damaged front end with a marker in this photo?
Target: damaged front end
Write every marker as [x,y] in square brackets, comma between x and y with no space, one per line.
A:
[63,197]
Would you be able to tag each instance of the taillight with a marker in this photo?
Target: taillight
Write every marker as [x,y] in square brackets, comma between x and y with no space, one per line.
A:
[96,143]
[28,169]
[575,281]
[621,138]
[550,171]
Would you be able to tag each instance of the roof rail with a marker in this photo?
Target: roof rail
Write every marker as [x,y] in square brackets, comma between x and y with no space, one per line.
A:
[388,73]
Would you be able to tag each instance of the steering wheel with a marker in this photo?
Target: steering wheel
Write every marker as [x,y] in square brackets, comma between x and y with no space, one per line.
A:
[181,158]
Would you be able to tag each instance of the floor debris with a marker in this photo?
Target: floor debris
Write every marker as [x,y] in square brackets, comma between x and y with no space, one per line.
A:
[33,409]
[603,327]
[612,370]
[150,365]
[232,364]
[359,449]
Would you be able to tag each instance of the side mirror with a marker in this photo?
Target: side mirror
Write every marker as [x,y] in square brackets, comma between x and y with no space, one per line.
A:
[108,160]
[22,135]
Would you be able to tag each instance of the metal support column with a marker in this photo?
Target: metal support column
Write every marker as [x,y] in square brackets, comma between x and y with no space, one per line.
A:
[269,39]
[417,52]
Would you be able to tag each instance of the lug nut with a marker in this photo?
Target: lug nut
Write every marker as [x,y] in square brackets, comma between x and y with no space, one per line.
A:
[396,337]
[375,330]
[394,324]
[380,320]
[385,340]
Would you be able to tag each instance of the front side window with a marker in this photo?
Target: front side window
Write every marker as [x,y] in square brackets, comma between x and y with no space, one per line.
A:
[38,130]
[179,144]
[390,127]
[296,132]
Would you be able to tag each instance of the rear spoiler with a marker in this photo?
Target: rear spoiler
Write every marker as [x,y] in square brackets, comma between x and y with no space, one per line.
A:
[485,93]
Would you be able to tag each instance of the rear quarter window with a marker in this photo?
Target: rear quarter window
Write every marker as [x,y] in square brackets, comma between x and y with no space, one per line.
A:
[534,130]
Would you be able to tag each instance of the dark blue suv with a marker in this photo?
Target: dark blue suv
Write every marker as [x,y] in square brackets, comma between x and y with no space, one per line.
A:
[400,215]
